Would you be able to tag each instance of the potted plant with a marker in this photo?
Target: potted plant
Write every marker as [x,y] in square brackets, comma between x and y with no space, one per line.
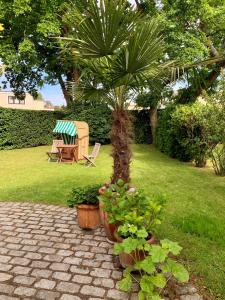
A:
[155,270]
[137,216]
[110,196]
[87,204]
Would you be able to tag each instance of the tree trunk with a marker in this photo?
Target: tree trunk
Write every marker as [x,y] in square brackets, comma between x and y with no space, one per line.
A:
[153,121]
[72,76]
[120,139]
[68,97]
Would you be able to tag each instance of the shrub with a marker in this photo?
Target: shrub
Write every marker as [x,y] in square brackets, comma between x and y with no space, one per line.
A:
[191,126]
[26,128]
[166,139]
[84,195]
[188,132]
[218,159]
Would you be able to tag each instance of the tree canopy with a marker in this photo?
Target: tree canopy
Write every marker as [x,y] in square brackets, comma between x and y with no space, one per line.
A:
[27,49]
[194,30]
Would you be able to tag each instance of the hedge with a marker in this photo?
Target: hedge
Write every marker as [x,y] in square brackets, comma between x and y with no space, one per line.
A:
[26,128]
[98,116]
[166,140]
[187,132]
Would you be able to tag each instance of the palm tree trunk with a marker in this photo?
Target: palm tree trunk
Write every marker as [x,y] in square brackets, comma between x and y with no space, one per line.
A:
[120,139]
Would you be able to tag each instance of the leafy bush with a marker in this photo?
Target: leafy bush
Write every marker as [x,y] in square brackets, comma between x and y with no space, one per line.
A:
[166,140]
[188,132]
[84,195]
[217,121]
[218,159]
[191,126]
[26,128]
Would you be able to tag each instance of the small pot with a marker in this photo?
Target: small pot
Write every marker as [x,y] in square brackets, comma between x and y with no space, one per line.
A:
[88,216]
[129,259]
[109,228]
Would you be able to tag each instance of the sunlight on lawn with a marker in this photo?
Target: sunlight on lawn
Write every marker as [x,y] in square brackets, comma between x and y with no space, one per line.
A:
[194,214]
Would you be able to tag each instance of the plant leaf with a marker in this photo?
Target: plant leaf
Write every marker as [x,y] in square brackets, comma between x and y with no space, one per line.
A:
[146,284]
[180,273]
[125,283]
[141,295]
[158,254]
[173,247]
[118,248]
[147,265]
[159,281]
[178,270]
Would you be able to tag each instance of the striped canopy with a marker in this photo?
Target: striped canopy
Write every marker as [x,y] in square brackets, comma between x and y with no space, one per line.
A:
[65,127]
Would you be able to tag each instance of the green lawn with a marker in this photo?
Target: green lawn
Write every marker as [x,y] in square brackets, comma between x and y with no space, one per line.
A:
[194,214]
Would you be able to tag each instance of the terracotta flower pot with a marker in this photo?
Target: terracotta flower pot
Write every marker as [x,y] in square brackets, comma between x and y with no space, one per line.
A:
[109,228]
[129,259]
[88,216]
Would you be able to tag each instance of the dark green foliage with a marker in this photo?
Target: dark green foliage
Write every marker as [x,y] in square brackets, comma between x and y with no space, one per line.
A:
[192,132]
[142,128]
[166,139]
[84,195]
[98,117]
[26,128]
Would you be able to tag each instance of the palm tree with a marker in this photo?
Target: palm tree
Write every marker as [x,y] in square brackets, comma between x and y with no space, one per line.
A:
[123,52]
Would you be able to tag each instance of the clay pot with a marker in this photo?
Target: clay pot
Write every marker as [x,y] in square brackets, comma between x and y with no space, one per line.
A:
[129,259]
[88,216]
[109,228]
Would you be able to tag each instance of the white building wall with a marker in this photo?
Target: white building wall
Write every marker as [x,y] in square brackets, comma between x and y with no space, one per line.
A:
[30,103]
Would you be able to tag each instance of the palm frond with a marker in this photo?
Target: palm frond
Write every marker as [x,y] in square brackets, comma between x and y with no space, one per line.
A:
[105,26]
[140,58]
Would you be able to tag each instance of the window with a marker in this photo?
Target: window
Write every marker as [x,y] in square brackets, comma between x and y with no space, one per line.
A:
[14,100]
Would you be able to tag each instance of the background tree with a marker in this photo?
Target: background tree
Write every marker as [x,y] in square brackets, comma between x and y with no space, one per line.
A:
[194,31]
[26,47]
[123,51]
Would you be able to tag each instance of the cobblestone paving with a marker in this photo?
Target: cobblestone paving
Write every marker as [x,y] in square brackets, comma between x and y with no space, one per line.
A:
[45,255]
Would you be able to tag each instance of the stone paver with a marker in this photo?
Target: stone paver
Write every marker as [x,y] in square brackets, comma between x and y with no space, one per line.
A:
[45,255]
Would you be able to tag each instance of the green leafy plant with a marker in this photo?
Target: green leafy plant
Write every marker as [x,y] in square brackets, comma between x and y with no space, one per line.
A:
[135,212]
[155,270]
[83,195]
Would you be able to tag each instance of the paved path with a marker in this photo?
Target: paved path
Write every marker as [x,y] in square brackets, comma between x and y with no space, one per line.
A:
[45,255]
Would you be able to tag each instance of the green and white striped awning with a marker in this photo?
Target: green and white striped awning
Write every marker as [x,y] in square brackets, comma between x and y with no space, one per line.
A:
[65,127]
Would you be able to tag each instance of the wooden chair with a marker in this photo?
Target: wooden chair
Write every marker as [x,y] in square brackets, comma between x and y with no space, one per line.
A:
[90,159]
[53,155]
